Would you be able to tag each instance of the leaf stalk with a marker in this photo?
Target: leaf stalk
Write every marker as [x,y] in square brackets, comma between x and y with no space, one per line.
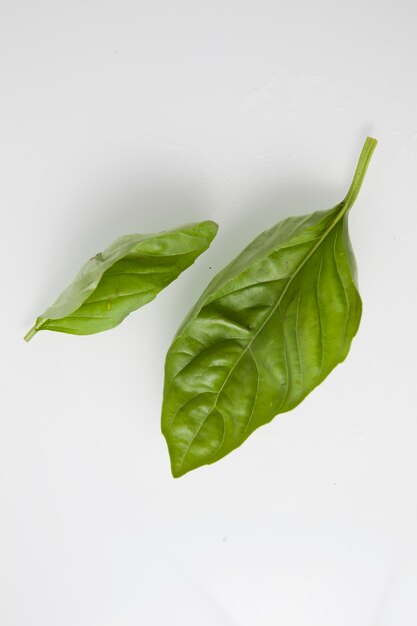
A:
[359,176]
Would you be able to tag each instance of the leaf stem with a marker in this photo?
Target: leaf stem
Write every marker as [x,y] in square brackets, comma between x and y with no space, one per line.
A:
[358,178]
[32,332]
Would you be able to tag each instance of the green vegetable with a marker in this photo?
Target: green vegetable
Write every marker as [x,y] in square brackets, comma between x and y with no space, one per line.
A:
[127,275]
[267,330]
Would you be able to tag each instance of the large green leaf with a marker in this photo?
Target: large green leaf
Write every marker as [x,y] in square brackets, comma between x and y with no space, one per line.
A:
[127,275]
[266,331]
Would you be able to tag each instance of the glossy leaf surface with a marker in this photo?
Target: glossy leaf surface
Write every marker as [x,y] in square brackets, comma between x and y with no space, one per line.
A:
[266,331]
[127,275]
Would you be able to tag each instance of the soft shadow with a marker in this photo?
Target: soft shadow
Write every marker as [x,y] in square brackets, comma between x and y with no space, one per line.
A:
[117,210]
[241,222]
[154,205]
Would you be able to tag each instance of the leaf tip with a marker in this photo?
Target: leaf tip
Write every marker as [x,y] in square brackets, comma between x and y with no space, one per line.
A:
[178,468]
[211,227]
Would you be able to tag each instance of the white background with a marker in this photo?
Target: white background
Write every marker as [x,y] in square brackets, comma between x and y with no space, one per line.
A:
[120,117]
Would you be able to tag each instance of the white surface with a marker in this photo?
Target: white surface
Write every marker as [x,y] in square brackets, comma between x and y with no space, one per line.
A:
[121,117]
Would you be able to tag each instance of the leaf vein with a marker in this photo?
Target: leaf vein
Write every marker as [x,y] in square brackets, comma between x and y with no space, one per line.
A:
[343,285]
[277,304]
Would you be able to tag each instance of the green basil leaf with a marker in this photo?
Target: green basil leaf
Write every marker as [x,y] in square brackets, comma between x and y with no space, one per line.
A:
[127,275]
[266,331]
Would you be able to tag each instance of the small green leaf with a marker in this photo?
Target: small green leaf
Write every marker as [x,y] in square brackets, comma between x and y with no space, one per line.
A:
[127,275]
[267,330]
